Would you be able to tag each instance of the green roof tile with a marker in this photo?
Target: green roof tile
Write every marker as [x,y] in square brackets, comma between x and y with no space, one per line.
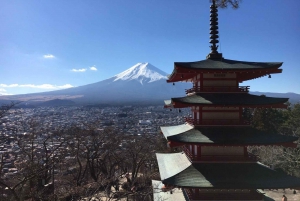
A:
[242,135]
[228,99]
[229,176]
[227,64]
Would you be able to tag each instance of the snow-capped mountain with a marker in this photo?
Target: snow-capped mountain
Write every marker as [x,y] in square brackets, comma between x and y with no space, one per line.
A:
[143,72]
[142,82]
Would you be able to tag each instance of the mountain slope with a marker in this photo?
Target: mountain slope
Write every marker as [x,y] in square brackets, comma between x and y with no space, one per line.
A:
[142,82]
[293,97]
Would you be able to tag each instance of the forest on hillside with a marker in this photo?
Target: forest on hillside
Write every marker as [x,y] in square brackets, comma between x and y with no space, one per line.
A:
[285,122]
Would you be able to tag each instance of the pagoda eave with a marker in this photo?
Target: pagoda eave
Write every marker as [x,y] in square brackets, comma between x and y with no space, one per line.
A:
[223,136]
[250,76]
[173,143]
[227,100]
[184,105]
[220,175]
[185,74]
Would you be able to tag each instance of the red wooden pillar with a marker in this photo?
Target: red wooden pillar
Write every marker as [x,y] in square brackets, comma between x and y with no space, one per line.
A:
[201,81]
[200,115]
[197,193]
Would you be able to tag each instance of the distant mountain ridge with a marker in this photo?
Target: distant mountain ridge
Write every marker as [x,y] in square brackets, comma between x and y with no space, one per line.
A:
[141,83]
[293,97]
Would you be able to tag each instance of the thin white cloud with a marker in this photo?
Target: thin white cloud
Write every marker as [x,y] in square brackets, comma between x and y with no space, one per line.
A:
[49,56]
[41,86]
[79,70]
[65,86]
[93,68]
[3,92]
[8,85]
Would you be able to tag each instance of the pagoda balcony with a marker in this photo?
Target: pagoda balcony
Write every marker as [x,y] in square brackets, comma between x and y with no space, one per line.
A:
[222,89]
[220,122]
[222,194]
[217,158]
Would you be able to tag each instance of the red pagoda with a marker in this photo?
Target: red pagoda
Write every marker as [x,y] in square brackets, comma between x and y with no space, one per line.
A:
[214,163]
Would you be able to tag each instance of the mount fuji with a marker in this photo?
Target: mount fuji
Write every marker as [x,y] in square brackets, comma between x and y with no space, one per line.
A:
[142,72]
[141,83]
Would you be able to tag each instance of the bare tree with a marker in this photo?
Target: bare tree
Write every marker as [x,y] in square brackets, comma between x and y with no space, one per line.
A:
[279,121]
[34,162]
[6,107]
[79,162]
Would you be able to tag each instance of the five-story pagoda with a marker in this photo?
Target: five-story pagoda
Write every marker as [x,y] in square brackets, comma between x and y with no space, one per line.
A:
[214,163]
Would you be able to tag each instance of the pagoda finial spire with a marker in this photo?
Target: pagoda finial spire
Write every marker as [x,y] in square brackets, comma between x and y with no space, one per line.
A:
[214,54]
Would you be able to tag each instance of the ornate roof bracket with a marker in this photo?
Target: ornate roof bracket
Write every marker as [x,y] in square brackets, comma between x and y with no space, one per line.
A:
[214,54]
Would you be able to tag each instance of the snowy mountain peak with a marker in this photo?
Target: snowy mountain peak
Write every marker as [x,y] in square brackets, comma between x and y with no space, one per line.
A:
[142,72]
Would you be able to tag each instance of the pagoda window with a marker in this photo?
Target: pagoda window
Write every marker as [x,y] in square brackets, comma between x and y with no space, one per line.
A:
[191,148]
[194,115]
[192,151]
[194,82]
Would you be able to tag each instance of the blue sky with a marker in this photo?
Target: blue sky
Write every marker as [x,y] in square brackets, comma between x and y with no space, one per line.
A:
[49,45]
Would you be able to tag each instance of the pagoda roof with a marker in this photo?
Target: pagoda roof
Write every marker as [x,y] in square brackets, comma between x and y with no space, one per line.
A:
[221,175]
[185,70]
[226,100]
[222,135]
[227,64]
[175,130]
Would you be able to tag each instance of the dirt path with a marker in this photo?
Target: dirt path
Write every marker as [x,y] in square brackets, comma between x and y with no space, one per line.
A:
[276,195]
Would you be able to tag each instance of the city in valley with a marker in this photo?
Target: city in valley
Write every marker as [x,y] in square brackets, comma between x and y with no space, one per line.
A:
[72,146]
[127,120]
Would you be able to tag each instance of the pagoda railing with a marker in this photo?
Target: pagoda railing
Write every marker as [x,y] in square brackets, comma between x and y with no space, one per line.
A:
[222,89]
[225,195]
[222,122]
[210,158]
[191,157]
